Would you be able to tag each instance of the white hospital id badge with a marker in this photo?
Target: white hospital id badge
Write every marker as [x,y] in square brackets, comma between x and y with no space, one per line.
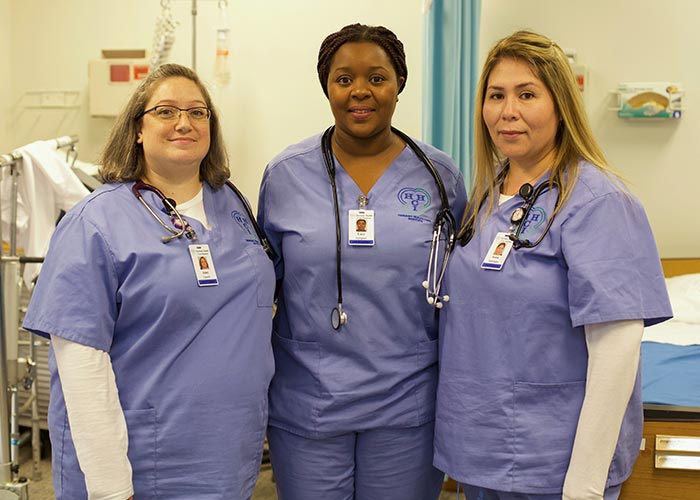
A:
[361,227]
[203,265]
[498,252]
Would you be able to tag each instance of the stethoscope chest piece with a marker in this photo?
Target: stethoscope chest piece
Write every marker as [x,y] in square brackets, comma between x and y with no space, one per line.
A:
[517,215]
[338,317]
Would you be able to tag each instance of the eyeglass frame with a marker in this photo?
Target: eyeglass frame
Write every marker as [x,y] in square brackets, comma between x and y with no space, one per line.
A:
[179,114]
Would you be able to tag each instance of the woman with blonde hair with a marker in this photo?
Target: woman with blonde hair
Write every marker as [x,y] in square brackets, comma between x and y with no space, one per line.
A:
[539,394]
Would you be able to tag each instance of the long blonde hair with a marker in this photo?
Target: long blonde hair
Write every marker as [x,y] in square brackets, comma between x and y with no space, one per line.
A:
[574,138]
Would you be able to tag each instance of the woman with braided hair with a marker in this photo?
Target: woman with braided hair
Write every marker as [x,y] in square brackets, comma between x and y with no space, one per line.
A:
[353,399]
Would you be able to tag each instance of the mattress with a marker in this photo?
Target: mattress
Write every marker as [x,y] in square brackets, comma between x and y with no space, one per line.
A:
[671,350]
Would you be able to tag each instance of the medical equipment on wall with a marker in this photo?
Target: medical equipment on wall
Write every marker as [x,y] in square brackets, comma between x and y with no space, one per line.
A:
[580,72]
[648,100]
[164,35]
[520,215]
[444,227]
[222,73]
[114,78]
[11,486]
[181,227]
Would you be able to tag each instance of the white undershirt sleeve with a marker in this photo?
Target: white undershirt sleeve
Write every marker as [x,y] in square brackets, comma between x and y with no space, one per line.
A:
[96,419]
[613,360]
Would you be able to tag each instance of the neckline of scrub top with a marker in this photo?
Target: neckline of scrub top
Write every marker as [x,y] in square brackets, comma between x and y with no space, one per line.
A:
[382,184]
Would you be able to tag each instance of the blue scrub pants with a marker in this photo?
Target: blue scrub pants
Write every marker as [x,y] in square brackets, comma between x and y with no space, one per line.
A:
[478,493]
[379,464]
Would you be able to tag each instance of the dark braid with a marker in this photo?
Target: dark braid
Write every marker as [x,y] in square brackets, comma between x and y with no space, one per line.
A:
[378,35]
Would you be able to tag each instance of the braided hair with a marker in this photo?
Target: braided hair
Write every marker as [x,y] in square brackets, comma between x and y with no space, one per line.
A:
[378,35]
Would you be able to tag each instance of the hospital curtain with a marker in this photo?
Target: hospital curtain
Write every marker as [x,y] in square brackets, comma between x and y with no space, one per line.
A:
[450,74]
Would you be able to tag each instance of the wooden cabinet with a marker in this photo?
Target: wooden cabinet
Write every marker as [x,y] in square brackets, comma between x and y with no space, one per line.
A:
[649,482]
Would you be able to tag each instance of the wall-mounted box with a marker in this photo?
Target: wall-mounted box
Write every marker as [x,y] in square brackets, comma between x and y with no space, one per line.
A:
[649,100]
[111,83]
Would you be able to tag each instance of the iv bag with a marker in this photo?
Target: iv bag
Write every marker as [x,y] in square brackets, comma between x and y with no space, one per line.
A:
[222,73]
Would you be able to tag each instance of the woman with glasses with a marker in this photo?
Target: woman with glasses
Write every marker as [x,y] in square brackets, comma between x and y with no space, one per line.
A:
[539,393]
[160,366]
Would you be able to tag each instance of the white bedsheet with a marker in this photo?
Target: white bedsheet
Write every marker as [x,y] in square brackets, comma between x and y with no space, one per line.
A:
[673,332]
[684,327]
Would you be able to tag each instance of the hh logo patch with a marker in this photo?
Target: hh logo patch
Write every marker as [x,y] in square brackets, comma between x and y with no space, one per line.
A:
[535,219]
[414,203]
[245,224]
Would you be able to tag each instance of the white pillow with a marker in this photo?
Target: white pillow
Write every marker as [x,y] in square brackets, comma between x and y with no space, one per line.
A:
[684,292]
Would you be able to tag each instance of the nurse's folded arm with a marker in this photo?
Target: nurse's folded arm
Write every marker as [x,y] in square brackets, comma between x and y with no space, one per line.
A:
[613,350]
[96,419]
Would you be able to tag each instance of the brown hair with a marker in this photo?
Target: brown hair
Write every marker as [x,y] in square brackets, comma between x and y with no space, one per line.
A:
[122,158]
[378,35]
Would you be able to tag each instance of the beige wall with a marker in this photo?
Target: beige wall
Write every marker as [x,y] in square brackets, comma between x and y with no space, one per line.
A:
[630,41]
[274,98]
[5,85]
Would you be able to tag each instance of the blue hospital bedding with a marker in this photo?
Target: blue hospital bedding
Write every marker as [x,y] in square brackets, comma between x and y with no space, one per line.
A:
[671,374]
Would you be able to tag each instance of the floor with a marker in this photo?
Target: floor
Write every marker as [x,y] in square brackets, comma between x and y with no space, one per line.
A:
[42,489]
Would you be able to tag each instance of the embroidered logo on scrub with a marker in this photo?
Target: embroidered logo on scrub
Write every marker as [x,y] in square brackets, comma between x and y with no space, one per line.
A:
[415,202]
[535,219]
[245,224]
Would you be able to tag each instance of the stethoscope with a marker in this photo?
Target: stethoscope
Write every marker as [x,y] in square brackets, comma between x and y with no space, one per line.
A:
[444,225]
[182,227]
[521,213]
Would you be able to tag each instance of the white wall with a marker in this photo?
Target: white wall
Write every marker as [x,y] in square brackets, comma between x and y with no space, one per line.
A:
[630,41]
[274,98]
[5,143]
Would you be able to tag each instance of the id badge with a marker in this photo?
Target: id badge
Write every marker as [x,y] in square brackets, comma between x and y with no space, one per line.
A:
[498,252]
[203,264]
[361,227]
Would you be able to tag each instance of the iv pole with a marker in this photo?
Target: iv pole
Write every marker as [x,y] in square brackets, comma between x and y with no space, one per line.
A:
[194,35]
[193,11]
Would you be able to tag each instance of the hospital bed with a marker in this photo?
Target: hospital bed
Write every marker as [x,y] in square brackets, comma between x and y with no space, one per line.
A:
[668,466]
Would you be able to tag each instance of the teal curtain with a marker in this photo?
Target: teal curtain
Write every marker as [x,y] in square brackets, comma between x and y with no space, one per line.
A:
[450,75]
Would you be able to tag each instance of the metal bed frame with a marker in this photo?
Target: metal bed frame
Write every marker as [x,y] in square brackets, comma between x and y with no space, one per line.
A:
[11,485]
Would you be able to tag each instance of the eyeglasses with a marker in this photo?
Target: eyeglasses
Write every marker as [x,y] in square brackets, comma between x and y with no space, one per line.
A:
[169,113]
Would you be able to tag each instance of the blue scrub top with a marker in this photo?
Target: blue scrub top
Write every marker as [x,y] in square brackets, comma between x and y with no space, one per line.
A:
[379,369]
[513,355]
[192,364]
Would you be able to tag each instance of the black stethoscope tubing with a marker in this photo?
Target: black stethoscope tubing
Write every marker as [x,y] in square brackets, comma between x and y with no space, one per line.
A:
[520,214]
[444,216]
[169,205]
